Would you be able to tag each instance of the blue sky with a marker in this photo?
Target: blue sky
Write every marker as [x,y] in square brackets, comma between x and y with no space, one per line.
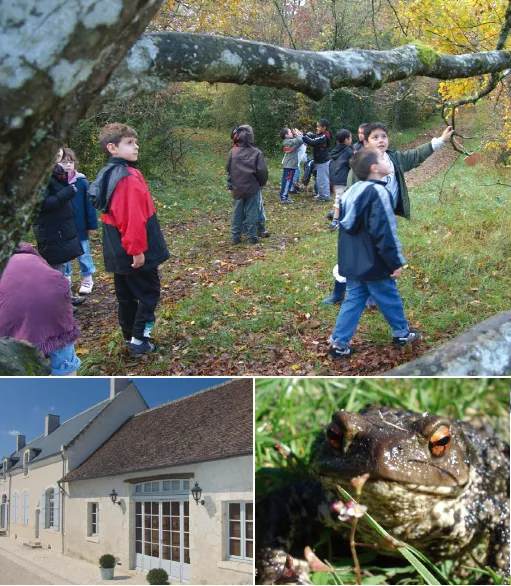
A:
[25,402]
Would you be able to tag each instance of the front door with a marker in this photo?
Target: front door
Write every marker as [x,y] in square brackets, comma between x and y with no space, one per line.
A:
[162,537]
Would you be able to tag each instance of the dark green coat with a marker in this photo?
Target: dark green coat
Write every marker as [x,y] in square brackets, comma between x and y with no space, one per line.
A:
[403,162]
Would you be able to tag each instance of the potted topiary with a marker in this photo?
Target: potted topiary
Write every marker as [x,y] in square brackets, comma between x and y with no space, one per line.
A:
[106,566]
[157,576]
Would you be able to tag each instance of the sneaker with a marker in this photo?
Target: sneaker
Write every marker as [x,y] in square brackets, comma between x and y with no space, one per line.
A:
[77,300]
[139,349]
[286,200]
[86,286]
[252,240]
[321,198]
[330,215]
[412,337]
[336,353]
[264,234]
[236,241]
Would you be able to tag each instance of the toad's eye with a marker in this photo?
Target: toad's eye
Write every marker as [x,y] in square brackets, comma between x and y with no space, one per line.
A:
[440,441]
[334,436]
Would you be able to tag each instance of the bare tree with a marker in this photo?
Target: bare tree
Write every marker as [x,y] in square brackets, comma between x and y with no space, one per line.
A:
[55,63]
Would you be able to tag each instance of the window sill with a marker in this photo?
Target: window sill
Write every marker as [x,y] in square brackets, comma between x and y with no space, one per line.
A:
[93,538]
[237,566]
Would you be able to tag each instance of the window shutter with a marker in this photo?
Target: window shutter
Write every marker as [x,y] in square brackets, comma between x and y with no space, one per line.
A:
[24,507]
[56,509]
[43,509]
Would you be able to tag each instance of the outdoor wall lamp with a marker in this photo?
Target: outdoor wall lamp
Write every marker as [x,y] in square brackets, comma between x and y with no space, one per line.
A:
[196,493]
[113,496]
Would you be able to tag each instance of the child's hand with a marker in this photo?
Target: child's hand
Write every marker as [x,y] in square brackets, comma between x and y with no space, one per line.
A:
[447,133]
[397,272]
[138,260]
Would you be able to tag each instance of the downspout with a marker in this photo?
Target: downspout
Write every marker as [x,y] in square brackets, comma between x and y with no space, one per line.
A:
[9,507]
[62,500]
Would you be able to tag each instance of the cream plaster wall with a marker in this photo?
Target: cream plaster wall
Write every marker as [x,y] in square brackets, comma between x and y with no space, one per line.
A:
[222,481]
[41,476]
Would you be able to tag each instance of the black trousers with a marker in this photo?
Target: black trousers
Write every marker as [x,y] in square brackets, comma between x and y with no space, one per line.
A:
[138,294]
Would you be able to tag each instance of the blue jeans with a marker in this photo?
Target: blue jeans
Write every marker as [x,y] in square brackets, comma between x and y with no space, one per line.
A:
[386,296]
[261,221]
[64,361]
[287,182]
[87,267]
[246,211]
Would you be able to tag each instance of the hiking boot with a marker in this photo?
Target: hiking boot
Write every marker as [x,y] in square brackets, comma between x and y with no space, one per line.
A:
[77,300]
[139,349]
[410,338]
[86,286]
[336,353]
[264,234]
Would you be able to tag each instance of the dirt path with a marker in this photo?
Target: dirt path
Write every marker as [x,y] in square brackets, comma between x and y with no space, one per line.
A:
[97,317]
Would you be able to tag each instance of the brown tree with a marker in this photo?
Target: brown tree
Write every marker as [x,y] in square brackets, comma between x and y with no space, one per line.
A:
[55,63]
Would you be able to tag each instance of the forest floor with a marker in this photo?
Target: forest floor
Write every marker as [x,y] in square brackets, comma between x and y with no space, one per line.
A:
[256,310]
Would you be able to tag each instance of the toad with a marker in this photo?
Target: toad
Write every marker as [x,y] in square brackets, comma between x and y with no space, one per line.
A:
[437,484]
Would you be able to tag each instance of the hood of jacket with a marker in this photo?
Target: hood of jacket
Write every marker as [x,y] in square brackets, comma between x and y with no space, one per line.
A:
[338,150]
[101,190]
[245,135]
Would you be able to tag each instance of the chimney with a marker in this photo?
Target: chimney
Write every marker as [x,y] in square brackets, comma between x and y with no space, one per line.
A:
[117,385]
[20,442]
[50,424]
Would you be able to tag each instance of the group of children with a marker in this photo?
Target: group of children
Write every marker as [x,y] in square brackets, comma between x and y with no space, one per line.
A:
[370,191]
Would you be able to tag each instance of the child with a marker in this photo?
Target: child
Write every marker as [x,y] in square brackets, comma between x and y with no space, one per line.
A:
[376,135]
[55,228]
[133,243]
[302,158]
[261,222]
[35,306]
[319,143]
[85,218]
[359,145]
[369,254]
[247,174]
[291,142]
[339,169]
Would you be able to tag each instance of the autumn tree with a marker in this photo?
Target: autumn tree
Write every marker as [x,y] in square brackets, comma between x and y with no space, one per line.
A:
[55,63]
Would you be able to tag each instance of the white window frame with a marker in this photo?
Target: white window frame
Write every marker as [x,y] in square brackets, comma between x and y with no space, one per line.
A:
[90,515]
[26,460]
[243,538]
[15,504]
[24,507]
[154,488]
[50,508]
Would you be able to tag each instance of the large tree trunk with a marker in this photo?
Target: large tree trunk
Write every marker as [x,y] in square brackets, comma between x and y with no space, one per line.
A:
[55,60]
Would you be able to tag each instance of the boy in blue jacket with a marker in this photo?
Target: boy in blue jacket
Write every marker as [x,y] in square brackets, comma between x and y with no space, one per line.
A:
[369,254]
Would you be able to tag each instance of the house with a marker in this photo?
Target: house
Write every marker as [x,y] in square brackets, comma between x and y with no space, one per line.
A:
[30,494]
[134,496]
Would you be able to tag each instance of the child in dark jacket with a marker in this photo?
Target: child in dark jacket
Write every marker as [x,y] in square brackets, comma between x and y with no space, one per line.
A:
[85,217]
[133,243]
[369,254]
[339,169]
[319,143]
[247,174]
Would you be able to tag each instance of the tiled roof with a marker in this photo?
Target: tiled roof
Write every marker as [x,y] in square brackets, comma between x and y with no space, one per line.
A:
[212,424]
[46,446]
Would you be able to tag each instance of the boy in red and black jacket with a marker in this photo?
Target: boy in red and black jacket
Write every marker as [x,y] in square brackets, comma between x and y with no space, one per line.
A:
[133,243]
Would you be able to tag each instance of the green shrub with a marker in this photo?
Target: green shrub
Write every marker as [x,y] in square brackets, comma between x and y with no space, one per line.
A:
[107,560]
[157,576]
